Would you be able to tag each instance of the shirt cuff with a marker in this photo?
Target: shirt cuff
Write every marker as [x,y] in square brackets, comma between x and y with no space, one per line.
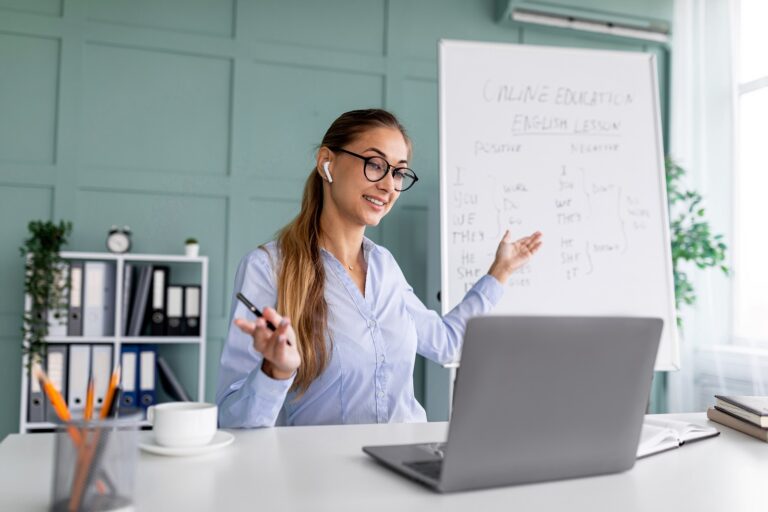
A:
[490,288]
[268,389]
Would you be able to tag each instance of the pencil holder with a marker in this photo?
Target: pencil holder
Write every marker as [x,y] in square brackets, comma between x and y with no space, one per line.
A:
[95,464]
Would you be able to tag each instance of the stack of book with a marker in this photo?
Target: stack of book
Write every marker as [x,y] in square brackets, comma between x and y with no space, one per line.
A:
[748,414]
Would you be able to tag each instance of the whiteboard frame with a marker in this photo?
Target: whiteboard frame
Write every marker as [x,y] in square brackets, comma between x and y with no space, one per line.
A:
[664,362]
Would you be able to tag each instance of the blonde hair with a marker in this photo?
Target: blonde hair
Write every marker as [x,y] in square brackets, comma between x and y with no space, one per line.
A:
[301,275]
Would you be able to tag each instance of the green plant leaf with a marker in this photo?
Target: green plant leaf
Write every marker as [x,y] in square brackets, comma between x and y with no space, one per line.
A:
[47,293]
[691,237]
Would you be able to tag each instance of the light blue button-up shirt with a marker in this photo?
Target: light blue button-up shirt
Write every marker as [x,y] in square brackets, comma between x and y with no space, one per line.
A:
[375,339]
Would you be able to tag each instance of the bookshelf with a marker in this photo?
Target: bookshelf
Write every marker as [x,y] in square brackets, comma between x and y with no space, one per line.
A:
[195,270]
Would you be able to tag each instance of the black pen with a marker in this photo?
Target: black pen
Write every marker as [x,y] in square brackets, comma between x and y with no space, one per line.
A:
[253,309]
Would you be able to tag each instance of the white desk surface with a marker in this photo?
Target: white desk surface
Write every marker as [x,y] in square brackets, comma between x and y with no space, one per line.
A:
[323,468]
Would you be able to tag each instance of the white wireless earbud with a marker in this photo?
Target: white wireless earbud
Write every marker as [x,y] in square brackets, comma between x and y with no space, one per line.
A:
[327,172]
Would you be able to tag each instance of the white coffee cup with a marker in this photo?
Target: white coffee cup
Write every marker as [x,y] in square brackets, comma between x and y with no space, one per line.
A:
[182,424]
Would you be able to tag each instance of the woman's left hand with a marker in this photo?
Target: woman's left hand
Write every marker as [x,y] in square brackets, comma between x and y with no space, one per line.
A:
[512,255]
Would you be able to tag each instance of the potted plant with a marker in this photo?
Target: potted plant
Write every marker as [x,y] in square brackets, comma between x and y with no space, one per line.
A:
[692,238]
[45,289]
[692,243]
[191,247]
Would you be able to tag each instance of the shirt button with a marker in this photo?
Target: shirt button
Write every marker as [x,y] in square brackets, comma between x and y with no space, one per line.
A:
[381,394]
[381,358]
[371,323]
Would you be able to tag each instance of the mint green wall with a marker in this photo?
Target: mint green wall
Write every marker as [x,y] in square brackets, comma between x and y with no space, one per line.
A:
[199,117]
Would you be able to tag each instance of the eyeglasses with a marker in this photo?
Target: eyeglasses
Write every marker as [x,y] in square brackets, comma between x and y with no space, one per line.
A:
[376,168]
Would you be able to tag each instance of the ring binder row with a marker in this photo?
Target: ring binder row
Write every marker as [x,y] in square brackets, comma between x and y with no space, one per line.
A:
[70,367]
[151,306]
[90,300]
[156,307]
[85,342]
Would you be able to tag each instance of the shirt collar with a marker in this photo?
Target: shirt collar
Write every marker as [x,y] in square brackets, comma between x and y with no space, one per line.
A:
[368,247]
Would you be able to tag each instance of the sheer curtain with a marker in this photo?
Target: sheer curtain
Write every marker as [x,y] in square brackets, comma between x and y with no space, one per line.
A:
[703,141]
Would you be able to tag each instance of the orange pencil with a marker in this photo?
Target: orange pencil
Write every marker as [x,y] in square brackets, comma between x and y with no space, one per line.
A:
[60,407]
[84,460]
[88,414]
[110,393]
[81,472]
[57,401]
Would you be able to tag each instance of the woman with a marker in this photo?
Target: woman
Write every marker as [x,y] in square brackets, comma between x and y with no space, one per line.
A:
[349,326]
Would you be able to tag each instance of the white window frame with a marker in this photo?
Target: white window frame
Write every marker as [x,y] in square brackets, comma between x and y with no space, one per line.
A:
[757,346]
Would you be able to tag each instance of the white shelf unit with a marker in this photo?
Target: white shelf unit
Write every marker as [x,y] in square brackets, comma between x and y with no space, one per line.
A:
[120,260]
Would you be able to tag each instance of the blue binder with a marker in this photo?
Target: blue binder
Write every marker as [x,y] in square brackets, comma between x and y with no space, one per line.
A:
[129,369]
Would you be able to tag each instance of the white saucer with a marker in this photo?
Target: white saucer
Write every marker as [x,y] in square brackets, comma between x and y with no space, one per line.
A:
[220,440]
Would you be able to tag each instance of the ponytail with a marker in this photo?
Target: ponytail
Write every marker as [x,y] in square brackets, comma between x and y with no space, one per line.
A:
[301,276]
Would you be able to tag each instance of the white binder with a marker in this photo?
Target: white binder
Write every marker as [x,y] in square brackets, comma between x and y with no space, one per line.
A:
[191,322]
[99,299]
[174,310]
[56,364]
[147,355]
[78,375]
[101,370]
[128,363]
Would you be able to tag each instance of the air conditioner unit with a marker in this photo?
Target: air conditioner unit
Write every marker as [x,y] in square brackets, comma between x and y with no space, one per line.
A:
[572,17]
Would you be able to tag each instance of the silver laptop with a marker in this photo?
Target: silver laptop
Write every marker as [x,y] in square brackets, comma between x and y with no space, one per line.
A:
[536,399]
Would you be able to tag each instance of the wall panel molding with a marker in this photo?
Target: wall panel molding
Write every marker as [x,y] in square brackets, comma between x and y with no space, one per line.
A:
[28,97]
[156,110]
[285,134]
[150,39]
[316,58]
[21,174]
[48,8]
[348,26]
[212,18]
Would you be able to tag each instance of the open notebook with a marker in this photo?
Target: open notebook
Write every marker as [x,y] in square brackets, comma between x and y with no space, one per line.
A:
[659,435]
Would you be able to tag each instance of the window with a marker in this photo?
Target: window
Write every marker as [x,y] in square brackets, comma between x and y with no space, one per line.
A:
[750,251]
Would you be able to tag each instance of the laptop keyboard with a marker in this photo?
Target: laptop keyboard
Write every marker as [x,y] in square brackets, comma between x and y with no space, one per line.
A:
[430,468]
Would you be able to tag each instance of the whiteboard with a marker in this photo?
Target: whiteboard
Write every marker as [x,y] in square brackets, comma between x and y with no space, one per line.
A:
[564,141]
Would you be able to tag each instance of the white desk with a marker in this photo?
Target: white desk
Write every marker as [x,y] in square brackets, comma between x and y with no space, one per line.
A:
[323,468]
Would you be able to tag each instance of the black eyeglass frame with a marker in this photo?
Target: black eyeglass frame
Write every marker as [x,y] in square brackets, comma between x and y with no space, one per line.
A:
[366,159]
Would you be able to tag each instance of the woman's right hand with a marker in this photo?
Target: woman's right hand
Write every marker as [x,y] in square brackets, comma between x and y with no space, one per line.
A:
[279,348]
